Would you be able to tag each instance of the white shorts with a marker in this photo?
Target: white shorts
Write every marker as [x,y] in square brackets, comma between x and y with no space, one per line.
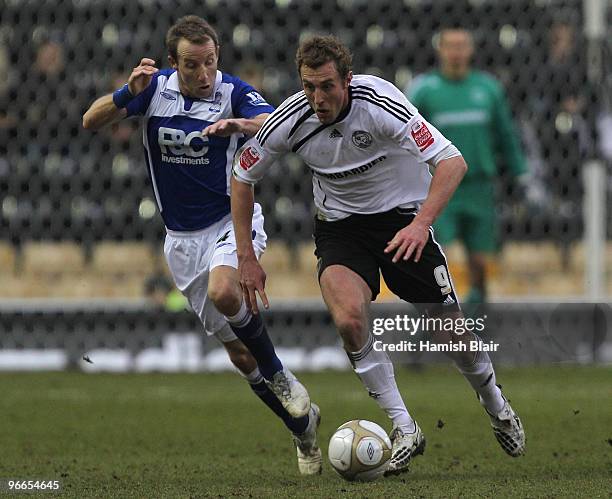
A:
[192,255]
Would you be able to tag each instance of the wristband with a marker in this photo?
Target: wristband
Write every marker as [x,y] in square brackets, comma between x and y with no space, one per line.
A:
[122,97]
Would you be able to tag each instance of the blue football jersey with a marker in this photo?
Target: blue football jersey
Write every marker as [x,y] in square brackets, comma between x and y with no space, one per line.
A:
[190,173]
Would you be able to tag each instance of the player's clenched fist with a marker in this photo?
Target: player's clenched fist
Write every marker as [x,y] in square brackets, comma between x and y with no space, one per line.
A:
[141,76]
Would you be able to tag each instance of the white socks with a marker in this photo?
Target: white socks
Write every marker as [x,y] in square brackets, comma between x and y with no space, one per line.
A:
[242,317]
[481,375]
[253,377]
[376,372]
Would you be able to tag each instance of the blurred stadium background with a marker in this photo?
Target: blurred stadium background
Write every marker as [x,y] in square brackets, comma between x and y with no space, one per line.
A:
[81,239]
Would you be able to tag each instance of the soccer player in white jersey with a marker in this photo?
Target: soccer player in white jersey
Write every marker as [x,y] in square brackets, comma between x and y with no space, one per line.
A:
[369,151]
[194,119]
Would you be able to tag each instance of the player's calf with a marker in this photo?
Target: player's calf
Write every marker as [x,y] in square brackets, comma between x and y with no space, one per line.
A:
[240,356]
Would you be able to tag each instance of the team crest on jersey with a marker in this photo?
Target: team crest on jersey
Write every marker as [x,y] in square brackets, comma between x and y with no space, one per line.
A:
[421,135]
[249,157]
[362,139]
[216,105]
[168,96]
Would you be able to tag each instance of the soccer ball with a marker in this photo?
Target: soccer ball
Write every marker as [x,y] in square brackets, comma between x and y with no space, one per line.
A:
[359,450]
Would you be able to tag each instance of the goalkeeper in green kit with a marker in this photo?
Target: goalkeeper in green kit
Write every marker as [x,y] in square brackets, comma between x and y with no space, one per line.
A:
[470,109]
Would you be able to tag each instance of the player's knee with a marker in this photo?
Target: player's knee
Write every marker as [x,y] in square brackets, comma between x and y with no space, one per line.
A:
[225,296]
[241,358]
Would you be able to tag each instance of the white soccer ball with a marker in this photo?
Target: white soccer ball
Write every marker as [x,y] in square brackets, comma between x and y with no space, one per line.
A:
[359,450]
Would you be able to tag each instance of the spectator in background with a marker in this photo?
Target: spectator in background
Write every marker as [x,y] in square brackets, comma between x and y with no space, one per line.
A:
[560,115]
[7,120]
[48,72]
[51,100]
[49,60]
[8,117]
[469,108]
[162,295]
[252,73]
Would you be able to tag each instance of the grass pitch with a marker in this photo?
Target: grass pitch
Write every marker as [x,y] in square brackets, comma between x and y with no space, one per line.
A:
[206,435]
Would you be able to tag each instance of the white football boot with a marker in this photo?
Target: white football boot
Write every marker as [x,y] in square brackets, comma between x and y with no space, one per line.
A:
[291,393]
[508,429]
[310,461]
[405,447]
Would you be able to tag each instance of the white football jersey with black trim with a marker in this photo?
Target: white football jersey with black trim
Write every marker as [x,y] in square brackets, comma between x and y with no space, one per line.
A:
[371,159]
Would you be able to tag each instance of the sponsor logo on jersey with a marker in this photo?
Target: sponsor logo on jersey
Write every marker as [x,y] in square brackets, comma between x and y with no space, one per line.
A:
[362,139]
[216,105]
[353,171]
[179,147]
[249,157]
[168,96]
[421,135]
[335,134]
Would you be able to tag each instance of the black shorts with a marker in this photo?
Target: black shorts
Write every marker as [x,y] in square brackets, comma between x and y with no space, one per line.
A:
[358,242]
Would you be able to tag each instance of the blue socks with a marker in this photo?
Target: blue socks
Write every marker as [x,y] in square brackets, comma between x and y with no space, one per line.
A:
[252,332]
[259,387]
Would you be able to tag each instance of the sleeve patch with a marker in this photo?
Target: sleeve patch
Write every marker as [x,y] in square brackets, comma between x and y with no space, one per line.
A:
[255,99]
[421,135]
[249,157]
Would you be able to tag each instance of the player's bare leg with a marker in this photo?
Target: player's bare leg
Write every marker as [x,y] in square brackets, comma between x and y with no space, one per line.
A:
[477,368]
[348,297]
[240,356]
[224,289]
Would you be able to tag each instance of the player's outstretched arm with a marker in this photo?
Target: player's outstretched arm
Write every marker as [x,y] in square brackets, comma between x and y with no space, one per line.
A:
[252,275]
[102,112]
[412,239]
[111,108]
[225,128]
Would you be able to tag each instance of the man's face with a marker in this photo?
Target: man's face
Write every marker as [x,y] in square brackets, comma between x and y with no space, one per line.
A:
[196,67]
[50,59]
[455,51]
[325,90]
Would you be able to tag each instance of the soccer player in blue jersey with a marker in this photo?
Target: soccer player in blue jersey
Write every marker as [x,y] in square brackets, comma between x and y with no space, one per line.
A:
[195,117]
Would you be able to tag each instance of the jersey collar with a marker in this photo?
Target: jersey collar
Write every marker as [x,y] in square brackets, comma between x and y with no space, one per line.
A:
[173,84]
[344,113]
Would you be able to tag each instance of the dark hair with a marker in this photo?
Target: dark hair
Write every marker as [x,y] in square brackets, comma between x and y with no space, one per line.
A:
[318,50]
[193,29]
